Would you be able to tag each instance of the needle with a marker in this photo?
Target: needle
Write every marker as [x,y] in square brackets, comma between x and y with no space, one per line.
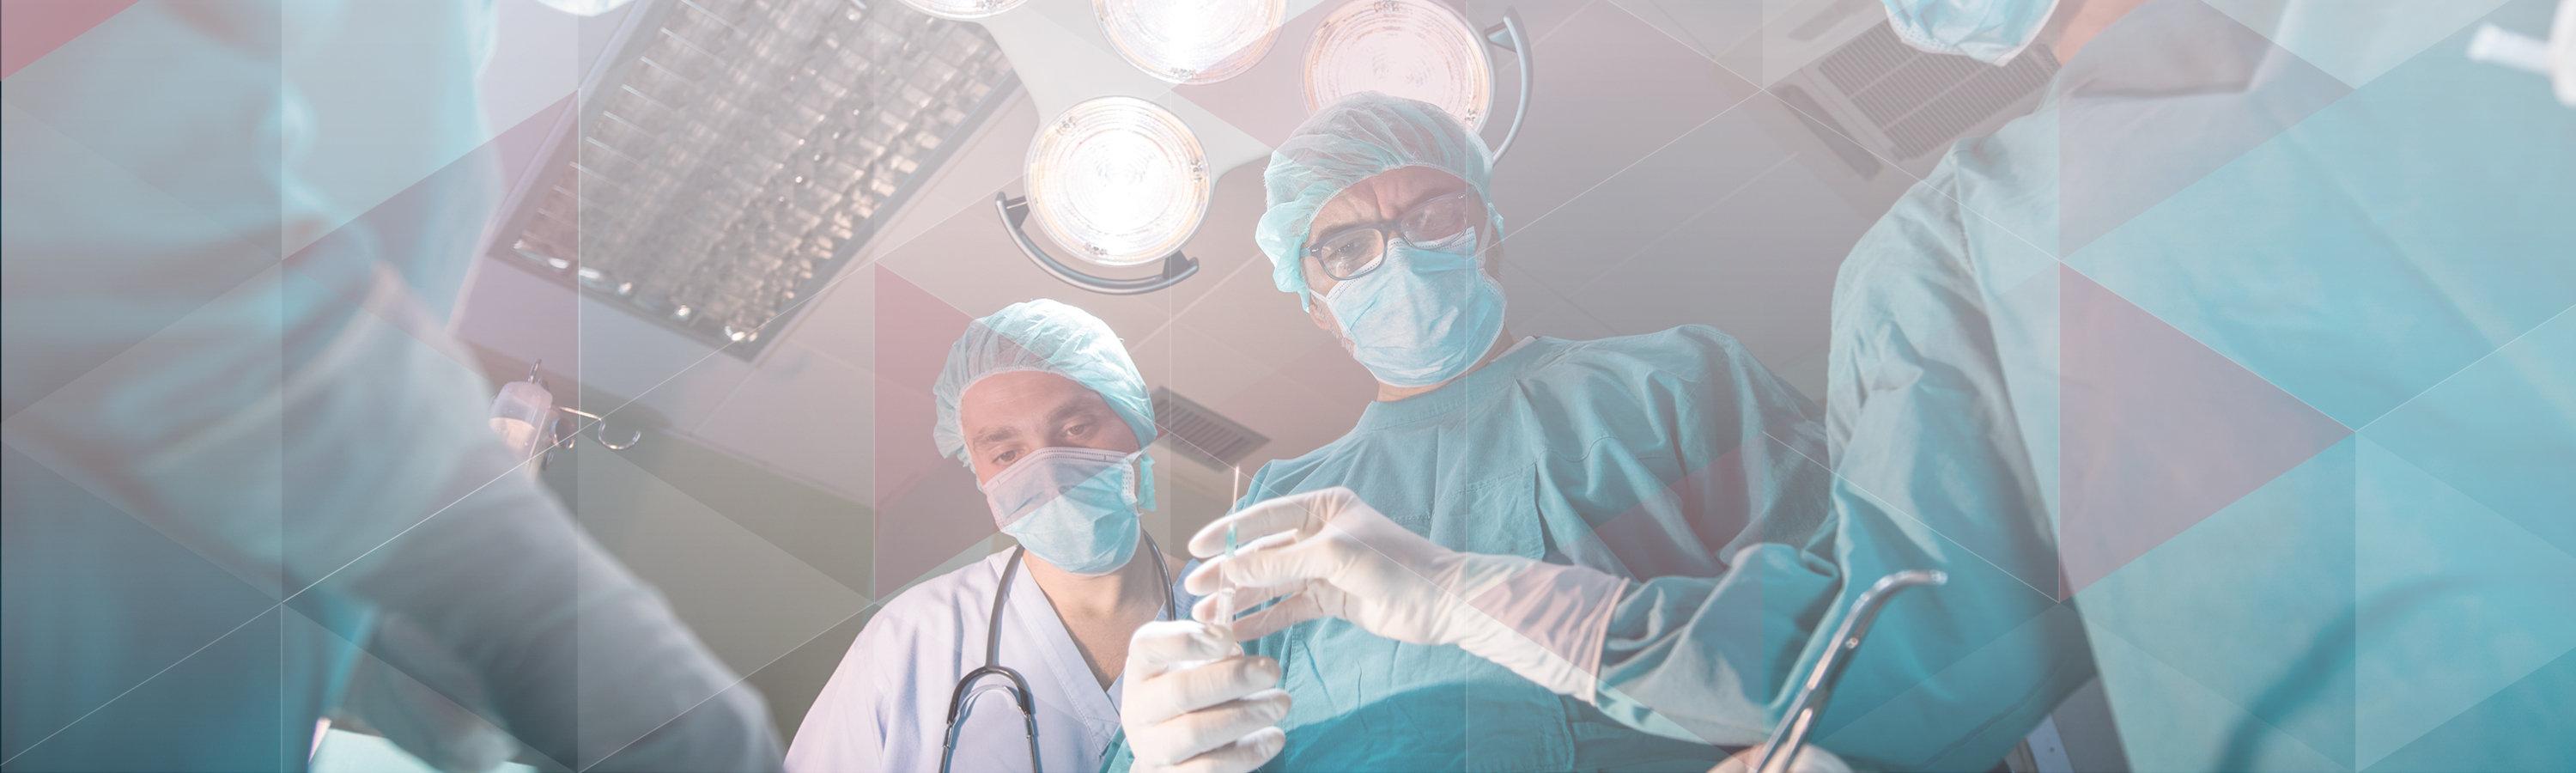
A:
[1225,593]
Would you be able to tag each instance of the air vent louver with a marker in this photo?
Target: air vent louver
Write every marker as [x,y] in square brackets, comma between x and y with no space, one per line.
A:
[1203,433]
[1923,101]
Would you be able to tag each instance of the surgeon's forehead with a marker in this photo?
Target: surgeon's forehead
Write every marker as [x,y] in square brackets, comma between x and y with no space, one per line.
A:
[998,405]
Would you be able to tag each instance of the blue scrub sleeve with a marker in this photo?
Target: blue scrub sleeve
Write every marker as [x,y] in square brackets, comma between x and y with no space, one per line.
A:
[1703,659]
[1928,474]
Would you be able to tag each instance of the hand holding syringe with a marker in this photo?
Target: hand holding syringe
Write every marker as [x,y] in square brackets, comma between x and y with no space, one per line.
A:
[1195,700]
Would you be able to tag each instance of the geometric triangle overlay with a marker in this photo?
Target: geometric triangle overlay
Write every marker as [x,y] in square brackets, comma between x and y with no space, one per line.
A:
[2455,602]
[768,601]
[2157,432]
[159,634]
[927,506]
[2238,633]
[2502,431]
[30,29]
[2164,700]
[2539,702]
[2182,91]
[2361,39]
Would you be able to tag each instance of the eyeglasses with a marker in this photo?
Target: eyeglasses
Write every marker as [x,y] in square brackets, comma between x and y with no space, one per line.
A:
[1351,252]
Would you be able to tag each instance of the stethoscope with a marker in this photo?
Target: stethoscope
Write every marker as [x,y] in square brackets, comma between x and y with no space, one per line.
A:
[1019,688]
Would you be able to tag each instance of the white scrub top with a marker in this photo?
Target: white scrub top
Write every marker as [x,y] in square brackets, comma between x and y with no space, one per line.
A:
[886,707]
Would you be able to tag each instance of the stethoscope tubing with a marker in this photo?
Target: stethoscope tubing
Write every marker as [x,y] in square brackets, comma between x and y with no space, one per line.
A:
[1020,685]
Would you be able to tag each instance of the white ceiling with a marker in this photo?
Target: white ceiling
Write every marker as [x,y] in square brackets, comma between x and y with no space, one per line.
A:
[1641,194]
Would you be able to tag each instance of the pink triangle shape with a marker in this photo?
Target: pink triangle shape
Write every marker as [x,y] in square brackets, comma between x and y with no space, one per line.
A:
[30,29]
[2157,432]
[927,508]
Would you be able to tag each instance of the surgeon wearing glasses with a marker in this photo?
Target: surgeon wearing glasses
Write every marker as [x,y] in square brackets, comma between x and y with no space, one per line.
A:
[1998,413]
[1636,456]
[1023,651]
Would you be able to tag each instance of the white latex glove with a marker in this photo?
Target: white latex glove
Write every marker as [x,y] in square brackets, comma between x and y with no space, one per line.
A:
[1194,702]
[1327,554]
[1810,760]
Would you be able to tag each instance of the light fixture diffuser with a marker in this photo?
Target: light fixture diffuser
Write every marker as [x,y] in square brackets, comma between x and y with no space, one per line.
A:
[1406,48]
[963,10]
[1191,41]
[1119,180]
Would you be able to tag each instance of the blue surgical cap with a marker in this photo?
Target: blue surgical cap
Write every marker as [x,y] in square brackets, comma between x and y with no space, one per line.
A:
[1360,137]
[1047,337]
[1990,31]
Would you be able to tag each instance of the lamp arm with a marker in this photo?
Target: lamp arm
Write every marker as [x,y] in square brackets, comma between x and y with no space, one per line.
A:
[1015,213]
[1507,34]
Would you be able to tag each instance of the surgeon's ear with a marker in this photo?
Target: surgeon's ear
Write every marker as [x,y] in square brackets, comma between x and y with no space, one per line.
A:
[1491,256]
[1322,317]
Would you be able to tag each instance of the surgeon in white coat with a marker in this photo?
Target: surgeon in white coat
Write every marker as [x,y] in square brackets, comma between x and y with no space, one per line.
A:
[1043,403]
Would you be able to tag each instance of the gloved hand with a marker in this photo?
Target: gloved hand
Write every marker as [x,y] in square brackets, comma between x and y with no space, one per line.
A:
[1326,553]
[1194,702]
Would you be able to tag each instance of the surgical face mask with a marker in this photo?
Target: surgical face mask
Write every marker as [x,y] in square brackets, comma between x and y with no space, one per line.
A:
[1074,507]
[1990,31]
[1423,317]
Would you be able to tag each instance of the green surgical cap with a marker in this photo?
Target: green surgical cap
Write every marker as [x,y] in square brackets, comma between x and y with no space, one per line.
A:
[1360,137]
[1048,337]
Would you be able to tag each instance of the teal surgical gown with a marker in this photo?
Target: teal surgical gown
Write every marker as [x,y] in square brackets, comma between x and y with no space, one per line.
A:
[1641,456]
[2264,317]
[2250,346]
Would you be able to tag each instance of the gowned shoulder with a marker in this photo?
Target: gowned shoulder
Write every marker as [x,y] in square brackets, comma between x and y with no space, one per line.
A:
[1684,354]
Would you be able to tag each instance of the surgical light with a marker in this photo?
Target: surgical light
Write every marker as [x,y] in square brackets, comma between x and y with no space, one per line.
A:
[1191,41]
[1416,49]
[1405,48]
[1119,180]
[964,10]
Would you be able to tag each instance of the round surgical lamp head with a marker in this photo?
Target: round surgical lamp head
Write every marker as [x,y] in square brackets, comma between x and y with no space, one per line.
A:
[1416,49]
[1119,180]
[962,10]
[1191,41]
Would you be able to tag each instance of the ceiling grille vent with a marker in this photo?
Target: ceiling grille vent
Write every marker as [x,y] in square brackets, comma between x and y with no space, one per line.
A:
[1921,101]
[739,154]
[1203,433]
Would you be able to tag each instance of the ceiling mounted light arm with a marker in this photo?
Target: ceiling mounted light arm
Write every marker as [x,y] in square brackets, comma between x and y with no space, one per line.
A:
[1507,35]
[1015,213]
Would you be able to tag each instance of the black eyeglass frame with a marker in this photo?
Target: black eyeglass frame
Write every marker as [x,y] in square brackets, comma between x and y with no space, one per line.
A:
[1391,230]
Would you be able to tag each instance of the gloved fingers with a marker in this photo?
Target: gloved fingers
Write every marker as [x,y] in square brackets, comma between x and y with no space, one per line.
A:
[1208,577]
[1302,513]
[1242,755]
[1291,610]
[1315,558]
[1205,610]
[1244,600]
[1157,646]
[1184,690]
[1189,735]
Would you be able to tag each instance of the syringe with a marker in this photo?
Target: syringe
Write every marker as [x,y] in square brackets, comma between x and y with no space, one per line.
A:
[1225,594]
